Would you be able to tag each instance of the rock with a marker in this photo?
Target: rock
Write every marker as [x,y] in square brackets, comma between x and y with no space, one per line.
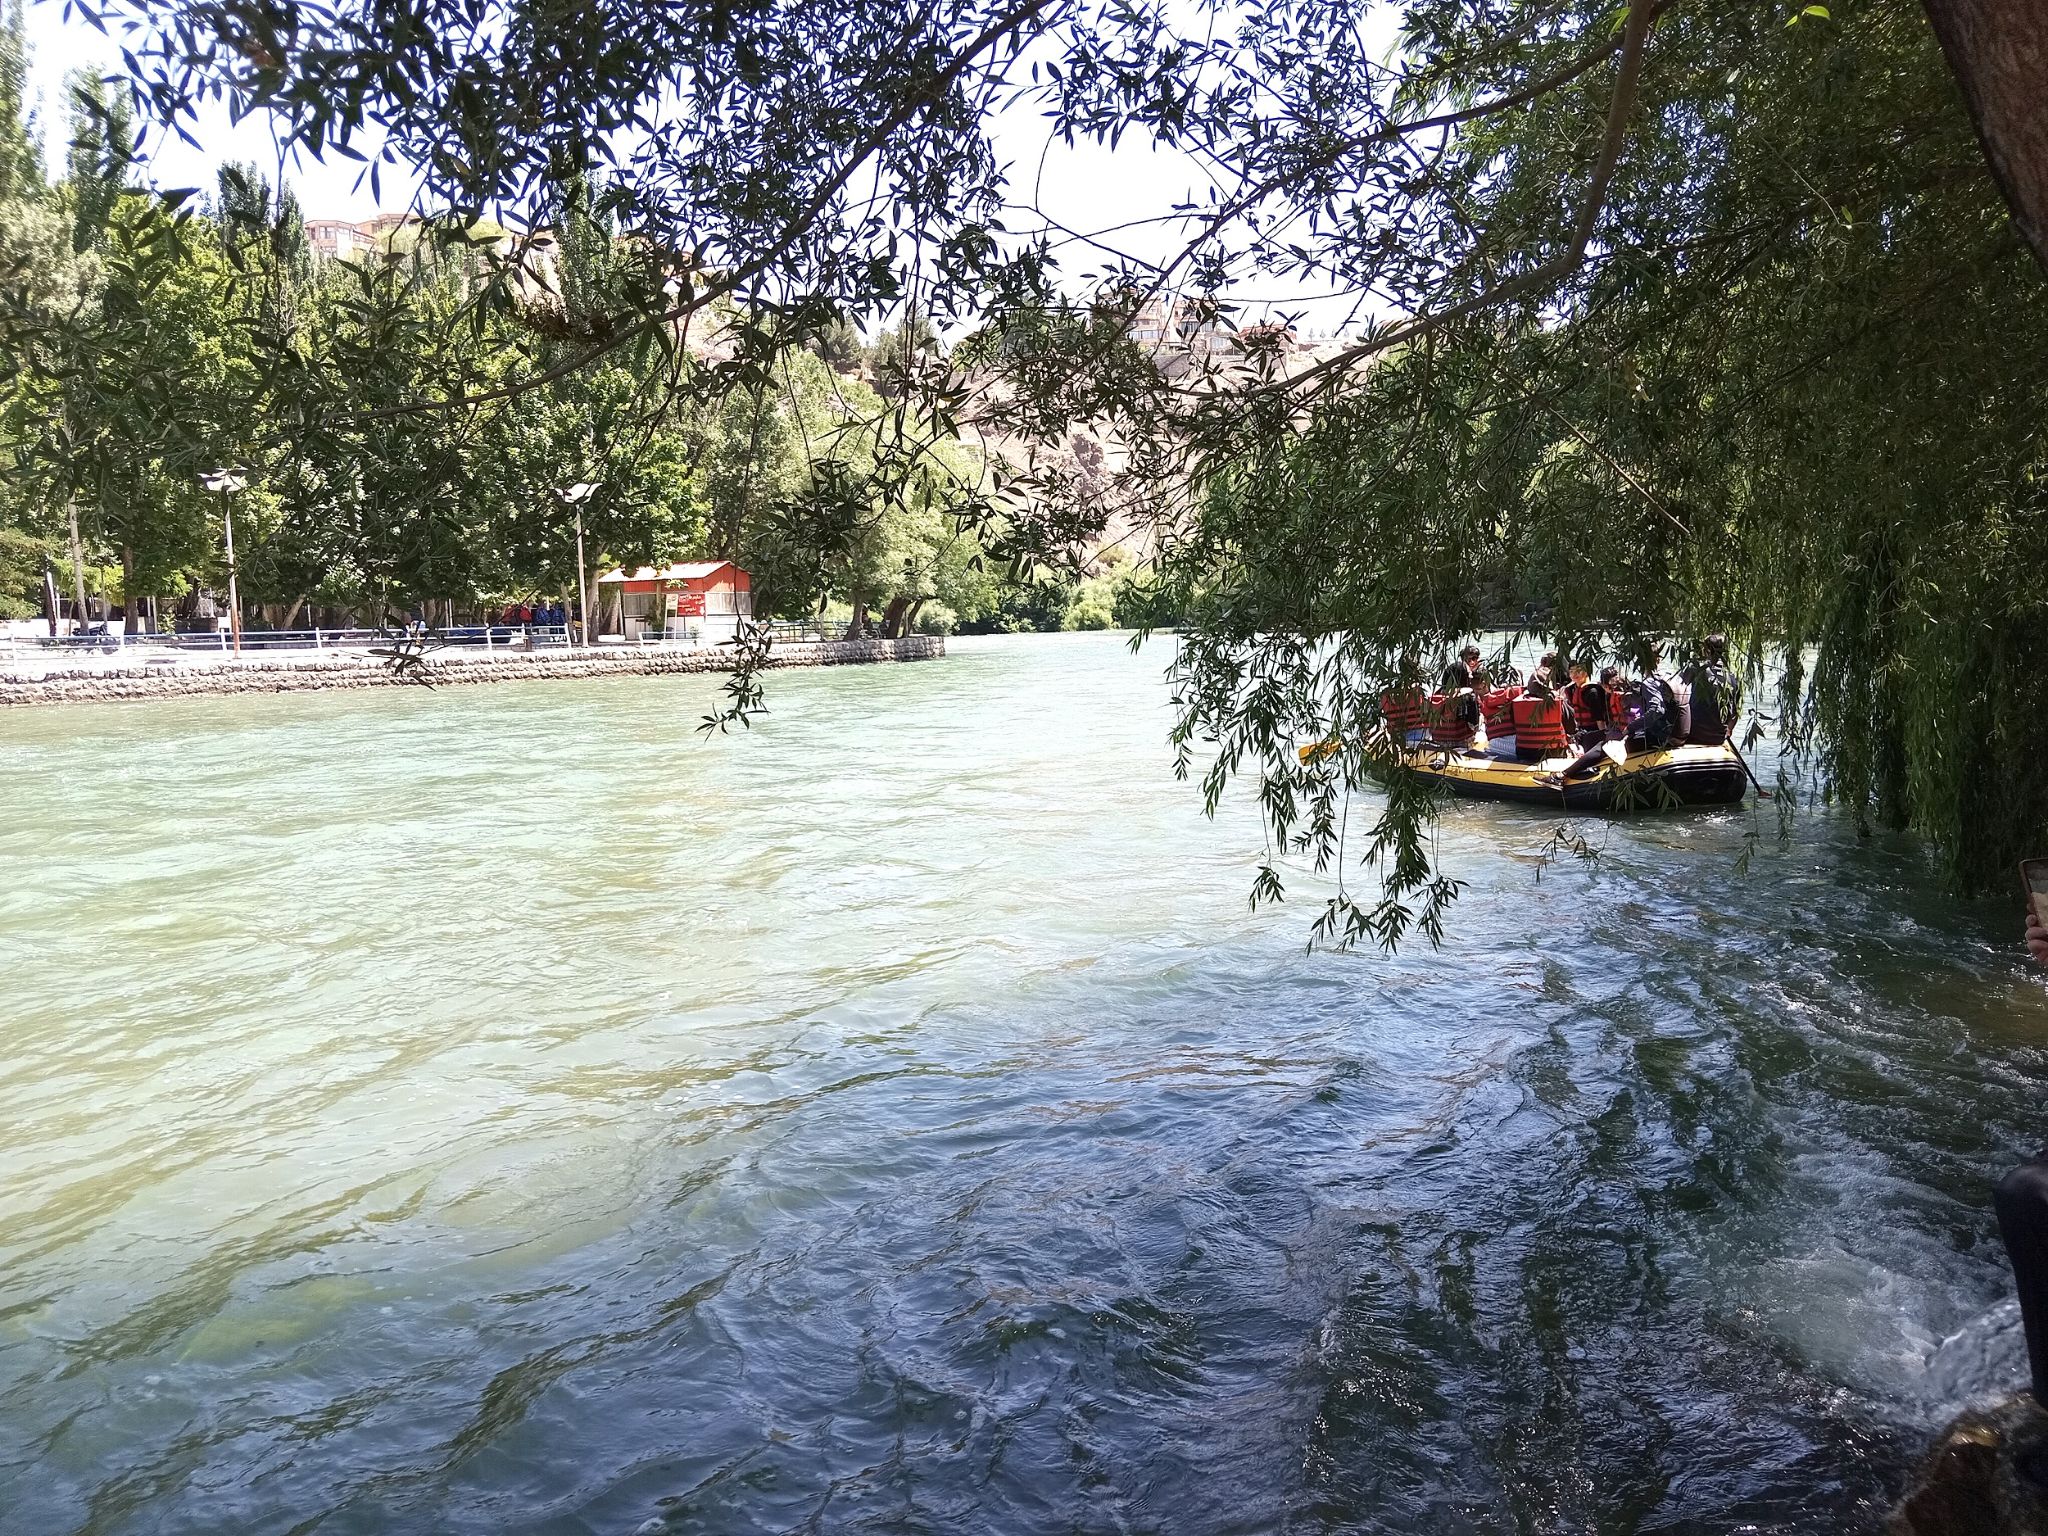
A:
[1986,1476]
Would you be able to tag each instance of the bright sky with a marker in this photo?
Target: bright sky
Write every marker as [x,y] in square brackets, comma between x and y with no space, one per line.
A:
[1088,189]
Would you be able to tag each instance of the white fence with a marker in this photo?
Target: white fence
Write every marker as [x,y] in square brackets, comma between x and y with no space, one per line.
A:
[112,642]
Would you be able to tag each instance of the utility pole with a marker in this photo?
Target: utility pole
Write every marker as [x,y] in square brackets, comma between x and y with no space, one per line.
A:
[582,583]
[227,518]
[575,495]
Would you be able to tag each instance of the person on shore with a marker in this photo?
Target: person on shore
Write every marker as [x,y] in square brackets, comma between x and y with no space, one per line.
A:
[1715,694]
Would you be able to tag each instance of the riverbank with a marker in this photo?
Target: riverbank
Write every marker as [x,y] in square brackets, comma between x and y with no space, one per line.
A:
[315,671]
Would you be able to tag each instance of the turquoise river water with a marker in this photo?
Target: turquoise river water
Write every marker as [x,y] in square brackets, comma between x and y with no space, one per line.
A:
[500,1110]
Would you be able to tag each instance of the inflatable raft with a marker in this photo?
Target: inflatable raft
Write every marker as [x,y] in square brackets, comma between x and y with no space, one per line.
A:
[1649,781]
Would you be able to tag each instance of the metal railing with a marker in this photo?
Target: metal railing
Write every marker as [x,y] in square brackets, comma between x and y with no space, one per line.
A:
[796,631]
[493,637]
[221,642]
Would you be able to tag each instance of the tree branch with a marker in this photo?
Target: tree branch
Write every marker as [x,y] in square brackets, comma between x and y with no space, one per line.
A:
[1626,77]
[792,231]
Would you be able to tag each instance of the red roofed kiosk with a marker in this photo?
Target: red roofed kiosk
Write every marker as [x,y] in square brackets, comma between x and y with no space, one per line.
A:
[695,602]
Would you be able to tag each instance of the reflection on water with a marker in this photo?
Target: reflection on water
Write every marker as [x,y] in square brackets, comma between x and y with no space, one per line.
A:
[497,1110]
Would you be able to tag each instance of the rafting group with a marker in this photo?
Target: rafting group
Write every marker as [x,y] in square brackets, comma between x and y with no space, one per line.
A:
[1563,736]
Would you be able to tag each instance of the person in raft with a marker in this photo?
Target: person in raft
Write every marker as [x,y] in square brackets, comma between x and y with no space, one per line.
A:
[1585,703]
[1549,680]
[1465,680]
[1406,719]
[1643,712]
[1677,698]
[1716,695]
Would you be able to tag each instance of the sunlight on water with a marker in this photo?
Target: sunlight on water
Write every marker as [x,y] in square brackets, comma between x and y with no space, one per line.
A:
[500,1109]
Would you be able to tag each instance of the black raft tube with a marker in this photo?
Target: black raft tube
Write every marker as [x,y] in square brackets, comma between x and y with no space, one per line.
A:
[2021,1200]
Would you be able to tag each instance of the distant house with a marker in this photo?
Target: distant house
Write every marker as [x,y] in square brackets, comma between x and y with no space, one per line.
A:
[394,234]
[694,602]
[340,239]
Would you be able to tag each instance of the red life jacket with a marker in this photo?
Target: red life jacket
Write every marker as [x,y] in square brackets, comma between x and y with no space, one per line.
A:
[1445,723]
[1403,710]
[1500,712]
[1539,725]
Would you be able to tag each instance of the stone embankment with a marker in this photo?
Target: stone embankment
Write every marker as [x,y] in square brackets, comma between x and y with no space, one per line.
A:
[310,671]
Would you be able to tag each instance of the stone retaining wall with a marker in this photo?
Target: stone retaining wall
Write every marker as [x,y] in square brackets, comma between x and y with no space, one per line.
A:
[300,673]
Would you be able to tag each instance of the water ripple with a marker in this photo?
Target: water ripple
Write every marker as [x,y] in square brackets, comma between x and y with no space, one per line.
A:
[501,1111]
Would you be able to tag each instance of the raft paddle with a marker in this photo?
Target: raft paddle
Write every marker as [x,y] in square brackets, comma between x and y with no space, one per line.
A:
[1761,792]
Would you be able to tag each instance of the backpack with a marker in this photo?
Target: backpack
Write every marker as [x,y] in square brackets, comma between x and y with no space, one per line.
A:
[1667,694]
[1656,712]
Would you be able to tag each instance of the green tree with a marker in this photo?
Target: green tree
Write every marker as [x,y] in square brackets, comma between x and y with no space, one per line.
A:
[21,167]
[99,158]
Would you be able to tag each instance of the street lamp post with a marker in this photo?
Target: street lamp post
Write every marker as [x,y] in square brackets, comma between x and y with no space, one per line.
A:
[575,495]
[224,483]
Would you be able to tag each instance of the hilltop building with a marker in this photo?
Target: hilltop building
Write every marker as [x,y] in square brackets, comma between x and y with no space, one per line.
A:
[345,239]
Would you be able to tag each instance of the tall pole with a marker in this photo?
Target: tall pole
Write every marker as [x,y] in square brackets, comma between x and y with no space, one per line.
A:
[582,586]
[227,517]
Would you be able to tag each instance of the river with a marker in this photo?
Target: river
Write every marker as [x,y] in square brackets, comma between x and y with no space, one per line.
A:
[501,1110]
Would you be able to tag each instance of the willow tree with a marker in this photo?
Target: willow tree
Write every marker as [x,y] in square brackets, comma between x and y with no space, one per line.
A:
[1672,317]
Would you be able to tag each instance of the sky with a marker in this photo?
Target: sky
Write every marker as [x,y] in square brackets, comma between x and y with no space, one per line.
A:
[1089,188]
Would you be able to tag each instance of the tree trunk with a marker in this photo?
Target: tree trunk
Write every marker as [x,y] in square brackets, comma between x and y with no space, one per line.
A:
[131,620]
[893,618]
[77,565]
[1998,50]
[50,604]
[289,618]
[857,626]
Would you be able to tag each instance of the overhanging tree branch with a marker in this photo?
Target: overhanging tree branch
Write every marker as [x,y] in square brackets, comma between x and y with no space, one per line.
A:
[1635,33]
[630,330]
